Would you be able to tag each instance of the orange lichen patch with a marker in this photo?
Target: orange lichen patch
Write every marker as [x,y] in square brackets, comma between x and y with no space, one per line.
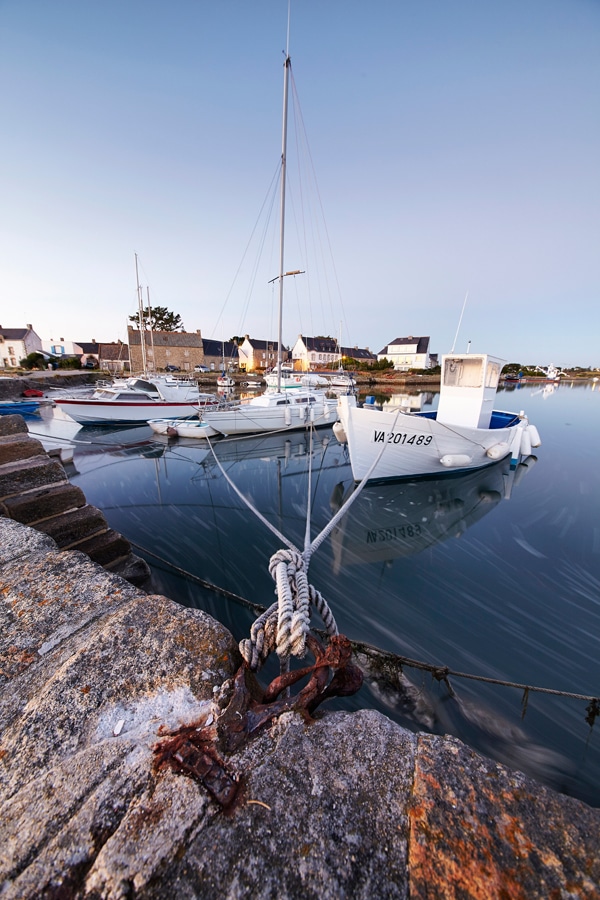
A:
[85,689]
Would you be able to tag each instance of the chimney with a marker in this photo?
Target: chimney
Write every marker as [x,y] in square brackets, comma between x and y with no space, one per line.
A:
[30,327]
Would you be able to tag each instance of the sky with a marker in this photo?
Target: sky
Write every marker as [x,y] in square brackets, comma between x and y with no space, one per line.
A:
[449,152]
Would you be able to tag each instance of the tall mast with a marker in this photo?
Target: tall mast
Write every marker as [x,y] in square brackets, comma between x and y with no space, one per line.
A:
[141,316]
[286,73]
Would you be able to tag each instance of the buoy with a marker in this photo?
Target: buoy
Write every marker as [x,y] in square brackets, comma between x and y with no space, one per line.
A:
[498,451]
[340,434]
[172,432]
[534,435]
[455,460]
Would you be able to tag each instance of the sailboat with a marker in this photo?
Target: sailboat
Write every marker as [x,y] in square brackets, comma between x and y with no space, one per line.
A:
[224,380]
[277,409]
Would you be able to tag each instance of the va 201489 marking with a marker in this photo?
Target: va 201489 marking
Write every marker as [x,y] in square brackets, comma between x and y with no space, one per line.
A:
[397,437]
[394,533]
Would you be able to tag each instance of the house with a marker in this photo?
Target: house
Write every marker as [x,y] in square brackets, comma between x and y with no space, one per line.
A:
[113,357]
[87,351]
[408,353]
[217,351]
[165,348]
[257,356]
[314,352]
[16,344]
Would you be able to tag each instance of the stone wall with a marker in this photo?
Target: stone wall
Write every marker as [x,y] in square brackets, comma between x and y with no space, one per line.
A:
[34,490]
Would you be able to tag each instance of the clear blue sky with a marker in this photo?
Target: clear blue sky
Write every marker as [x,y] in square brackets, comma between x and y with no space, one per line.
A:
[456,147]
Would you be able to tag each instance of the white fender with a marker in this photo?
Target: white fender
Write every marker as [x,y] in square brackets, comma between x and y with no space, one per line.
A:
[534,435]
[288,416]
[526,443]
[340,434]
[498,451]
[456,460]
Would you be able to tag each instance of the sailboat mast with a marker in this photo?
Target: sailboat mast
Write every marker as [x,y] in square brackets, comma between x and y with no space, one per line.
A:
[141,316]
[286,74]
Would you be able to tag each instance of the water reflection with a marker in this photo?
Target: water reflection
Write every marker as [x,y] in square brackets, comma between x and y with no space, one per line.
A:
[402,519]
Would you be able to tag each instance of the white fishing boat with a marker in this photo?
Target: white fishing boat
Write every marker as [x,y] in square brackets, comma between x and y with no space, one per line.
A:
[277,409]
[137,400]
[465,432]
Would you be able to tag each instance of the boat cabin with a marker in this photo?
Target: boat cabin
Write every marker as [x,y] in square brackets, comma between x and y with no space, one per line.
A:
[468,389]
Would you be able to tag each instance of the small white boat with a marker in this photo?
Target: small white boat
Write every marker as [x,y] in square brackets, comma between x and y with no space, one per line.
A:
[136,400]
[463,433]
[224,381]
[186,428]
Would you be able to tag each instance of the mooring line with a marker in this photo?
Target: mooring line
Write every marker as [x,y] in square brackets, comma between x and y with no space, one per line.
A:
[441,673]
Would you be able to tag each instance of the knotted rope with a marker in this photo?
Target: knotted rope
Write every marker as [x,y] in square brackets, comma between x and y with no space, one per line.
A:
[284,626]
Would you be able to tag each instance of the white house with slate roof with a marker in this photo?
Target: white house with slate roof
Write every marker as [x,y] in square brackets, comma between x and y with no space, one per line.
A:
[314,352]
[16,344]
[408,353]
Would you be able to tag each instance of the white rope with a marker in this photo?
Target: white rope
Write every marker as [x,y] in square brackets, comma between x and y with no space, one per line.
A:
[284,626]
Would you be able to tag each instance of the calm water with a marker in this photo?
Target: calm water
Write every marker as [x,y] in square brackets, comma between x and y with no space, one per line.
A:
[489,573]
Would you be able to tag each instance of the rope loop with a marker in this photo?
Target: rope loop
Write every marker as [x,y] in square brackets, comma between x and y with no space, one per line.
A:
[284,626]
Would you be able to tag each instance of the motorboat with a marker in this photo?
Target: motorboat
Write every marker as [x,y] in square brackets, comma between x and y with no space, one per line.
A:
[274,411]
[288,378]
[136,400]
[465,432]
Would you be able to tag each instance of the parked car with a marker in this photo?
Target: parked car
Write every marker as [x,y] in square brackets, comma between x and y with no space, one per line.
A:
[201,369]
[171,368]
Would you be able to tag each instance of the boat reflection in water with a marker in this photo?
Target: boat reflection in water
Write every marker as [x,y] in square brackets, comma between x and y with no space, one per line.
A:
[403,518]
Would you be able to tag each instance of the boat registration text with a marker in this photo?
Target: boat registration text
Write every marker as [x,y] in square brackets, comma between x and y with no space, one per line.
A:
[399,437]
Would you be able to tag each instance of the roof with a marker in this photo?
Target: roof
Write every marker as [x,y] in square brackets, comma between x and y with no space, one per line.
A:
[329,345]
[357,353]
[13,334]
[228,349]
[113,351]
[421,342]
[264,345]
[166,338]
[87,346]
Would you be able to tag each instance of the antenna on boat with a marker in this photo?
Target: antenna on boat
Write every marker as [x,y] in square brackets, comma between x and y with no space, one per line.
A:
[459,321]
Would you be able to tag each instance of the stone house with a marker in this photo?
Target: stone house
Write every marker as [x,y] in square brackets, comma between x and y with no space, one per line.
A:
[323,352]
[408,353]
[16,344]
[113,357]
[165,348]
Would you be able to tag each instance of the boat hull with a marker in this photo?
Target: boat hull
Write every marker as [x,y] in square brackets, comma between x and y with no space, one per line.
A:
[115,412]
[384,445]
[248,419]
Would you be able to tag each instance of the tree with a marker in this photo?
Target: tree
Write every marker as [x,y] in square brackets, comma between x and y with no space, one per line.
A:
[32,361]
[162,319]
